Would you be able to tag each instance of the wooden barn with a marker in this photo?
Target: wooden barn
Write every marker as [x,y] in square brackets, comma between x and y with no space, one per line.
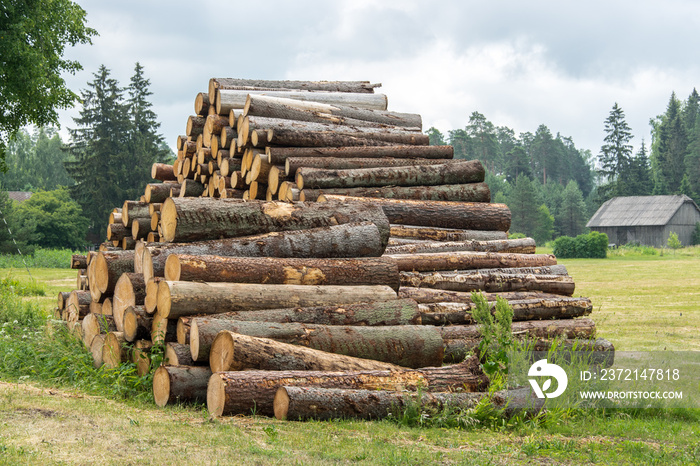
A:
[646,219]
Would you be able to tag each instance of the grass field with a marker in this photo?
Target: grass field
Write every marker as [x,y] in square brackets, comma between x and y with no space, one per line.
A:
[640,303]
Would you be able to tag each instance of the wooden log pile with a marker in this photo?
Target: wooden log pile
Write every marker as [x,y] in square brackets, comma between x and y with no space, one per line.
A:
[308,246]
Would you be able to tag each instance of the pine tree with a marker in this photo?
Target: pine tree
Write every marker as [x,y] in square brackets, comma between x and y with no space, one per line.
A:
[483,143]
[517,163]
[636,180]
[435,137]
[669,148]
[615,154]
[100,148]
[572,215]
[524,202]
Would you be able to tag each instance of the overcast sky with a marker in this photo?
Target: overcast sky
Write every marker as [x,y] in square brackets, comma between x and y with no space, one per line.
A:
[520,63]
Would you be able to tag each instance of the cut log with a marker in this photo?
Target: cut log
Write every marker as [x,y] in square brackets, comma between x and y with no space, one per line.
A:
[251,84]
[279,155]
[62,299]
[137,324]
[525,309]
[301,138]
[323,404]
[491,283]
[195,126]
[77,305]
[162,172]
[442,214]
[150,302]
[130,290]
[132,210]
[140,228]
[114,351]
[158,192]
[109,266]
[235,352]
[518,246]
[177,299]
[229,99]
[96,347]
[253,391]
[190,188]
[463,260]
[78,261]
[177,384]
[179,355]
[141,356]
[541,270]
[292,164]
[454,172]
[291,109]
[117,232]
[339,241]
[283,271]
[107,307]
[404,345]
[472,192]
[94,325]
[433,295]
[163,330]
[185,219]
[201,104]
[445,234]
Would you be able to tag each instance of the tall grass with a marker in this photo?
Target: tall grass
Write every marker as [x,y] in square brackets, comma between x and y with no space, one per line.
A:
[46,258]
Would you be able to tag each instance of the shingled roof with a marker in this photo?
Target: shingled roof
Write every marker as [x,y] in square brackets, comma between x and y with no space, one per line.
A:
[19,196]
[638,211]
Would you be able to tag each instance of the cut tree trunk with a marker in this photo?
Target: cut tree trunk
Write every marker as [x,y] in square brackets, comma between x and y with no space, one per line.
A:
[158,192]
[140,228]
[141,356]
[291,109]
[301,138]
[328,86]
[77,305]
[190,188]
[229,99]
[244,392]
[163,330]
[463,260]
[132,210]
[284,271]
[541,270]
[432,295]
[94,325]
[78,261]
[517,246]
[150,302]
[491,283]
[202,219]
[472,192]
[137,324]
[442,214]
[163,172]
[117,232]
[444,234]
[404,345]
[179,355]
[114,351]
[292,164]
[176,299]
[96,347]
[236,352]
[173,384]
[279,155]
[323,404]
[525,309]
[338,241]
[130,290]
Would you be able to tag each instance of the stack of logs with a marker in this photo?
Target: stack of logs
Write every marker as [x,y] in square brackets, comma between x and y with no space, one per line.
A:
[306,309]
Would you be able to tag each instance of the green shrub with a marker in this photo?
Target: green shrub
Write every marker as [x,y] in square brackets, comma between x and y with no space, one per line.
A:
[41,258]
[591,245]
[516,235]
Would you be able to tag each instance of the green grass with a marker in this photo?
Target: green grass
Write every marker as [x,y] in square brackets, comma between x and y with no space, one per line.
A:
[77,415]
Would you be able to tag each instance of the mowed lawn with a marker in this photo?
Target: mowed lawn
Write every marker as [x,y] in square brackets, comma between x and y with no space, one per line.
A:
[640,303]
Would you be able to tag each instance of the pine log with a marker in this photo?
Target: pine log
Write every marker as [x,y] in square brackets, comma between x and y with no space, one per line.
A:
[78,261]
[177,299]
[292,164]
[229,165]
[132,210]
[525,309]
[463,260]
[251,84]
[195,126]
[163,330]
[236,352]
[150,302]
[117,231]
[114,351]
[177,384]
[291,109]
[185,219]
[517,246]
[432,295]
[443,214]
[404,345]
[244,392]
[141,356]
[162,172]
[140,228]
[107,307]
[286,271]
[491,283]
[228,99]
[158,192]
[279,155]
[78,305]
[96,347]
[540,270]
[301,138]
[94,324]
[323,404]
[201,104]
[190,188]
[472,192]
[130,290]
[445,234]
[62,299]
[137,324]
[337,241]
[179,355]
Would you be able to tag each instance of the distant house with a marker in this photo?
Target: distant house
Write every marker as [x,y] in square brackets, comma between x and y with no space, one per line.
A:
[19,196]
[646,219]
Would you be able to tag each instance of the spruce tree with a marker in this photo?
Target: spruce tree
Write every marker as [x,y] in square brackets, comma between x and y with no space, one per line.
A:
[483,144]
[435,137]
[572,214]
[616,153]
[524,202]
[669,148]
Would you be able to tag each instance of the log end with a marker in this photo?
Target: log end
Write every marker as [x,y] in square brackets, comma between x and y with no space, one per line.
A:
[112,350]
[161,386]
[281,404]
[221,353]
[130,324]
[163,299]
[96,347]
[194,340]
[172,267]
[216,395]
[150,302]
[101,272]
[168,219]
[182,332]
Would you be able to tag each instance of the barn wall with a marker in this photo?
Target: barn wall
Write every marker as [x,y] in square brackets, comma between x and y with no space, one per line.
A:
[648,235]
[683,223]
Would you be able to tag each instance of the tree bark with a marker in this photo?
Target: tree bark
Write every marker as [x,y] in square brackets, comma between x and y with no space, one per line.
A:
[244,392]
[404,345]
[292,164]
[491,283]
[195,126]
[137,324]
[229,99]
[132,210]
[291,109]
[433,295]
[185,219]
[141,356]
[177,299]
[323,404]
[284,271]
[117,231]
[78,261]
[525,309]
[163,330]
[94,325]
[328,86]
[515,246]
[190,188]
[301,138]
[445,234]
[77,305]
[472,192]
[173,384]
[158,192]
[163,172]
[235,352]
[279,155]
[179,355]
[130,290]
[201,104]
[463,260]
[114,351]
[441,214]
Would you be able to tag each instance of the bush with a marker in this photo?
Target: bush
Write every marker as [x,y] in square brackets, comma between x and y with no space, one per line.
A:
[591,245]
[41,258]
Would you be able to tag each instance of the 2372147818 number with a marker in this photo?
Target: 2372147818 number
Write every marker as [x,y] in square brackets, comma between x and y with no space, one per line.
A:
[639,374]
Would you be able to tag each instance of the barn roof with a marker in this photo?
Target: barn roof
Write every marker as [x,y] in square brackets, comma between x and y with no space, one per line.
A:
[638,211]
[19,196]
